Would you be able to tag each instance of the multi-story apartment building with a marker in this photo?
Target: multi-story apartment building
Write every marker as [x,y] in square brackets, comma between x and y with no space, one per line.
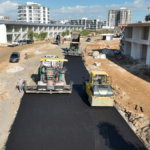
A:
[122,16]
[34,12]
[89,23]
[147,17]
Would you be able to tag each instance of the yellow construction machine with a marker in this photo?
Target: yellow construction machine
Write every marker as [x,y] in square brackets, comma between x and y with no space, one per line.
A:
[98,88]
[50,74]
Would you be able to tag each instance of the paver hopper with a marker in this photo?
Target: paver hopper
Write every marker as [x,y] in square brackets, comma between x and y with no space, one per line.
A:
[74,49]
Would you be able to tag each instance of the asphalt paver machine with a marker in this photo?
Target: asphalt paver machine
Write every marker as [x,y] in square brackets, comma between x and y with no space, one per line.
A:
[98,88]
[74,49]
[51,80]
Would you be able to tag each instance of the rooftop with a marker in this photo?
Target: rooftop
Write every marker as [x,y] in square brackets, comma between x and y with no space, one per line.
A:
[36,24]
[139,24]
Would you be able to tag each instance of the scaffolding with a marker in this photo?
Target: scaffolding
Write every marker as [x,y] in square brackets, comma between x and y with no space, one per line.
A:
[122,31]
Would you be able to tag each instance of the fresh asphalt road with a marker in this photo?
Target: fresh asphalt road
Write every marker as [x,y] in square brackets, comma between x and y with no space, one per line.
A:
[67,122]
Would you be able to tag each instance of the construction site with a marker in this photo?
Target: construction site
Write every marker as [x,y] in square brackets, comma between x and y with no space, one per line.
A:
[76,95]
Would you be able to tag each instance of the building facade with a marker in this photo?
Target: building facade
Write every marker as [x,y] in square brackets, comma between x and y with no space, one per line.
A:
[34,12]
[136,41]
[122,16]
[147,17]
[91,24]
[15,31]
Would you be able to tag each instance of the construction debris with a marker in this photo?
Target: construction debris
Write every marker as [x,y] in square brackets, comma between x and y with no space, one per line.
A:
[97,63]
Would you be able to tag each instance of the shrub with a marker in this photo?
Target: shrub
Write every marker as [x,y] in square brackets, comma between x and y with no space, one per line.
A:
[30,34]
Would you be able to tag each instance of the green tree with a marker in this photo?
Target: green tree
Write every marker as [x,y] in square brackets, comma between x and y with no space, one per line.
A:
[42,35]
[30,34]
[63,34]
[36,35]
[67,32]
[85,32]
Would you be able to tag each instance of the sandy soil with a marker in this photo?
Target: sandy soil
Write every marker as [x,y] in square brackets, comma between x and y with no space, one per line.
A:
[99,44]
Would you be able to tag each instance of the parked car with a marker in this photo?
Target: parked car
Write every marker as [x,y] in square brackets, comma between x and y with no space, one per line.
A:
[30,41]
[22,42]
[88,40]
[12,44]
[15,57]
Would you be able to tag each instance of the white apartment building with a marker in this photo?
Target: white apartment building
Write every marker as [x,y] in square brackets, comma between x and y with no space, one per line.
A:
[89,23]
[136,41]
[34,12]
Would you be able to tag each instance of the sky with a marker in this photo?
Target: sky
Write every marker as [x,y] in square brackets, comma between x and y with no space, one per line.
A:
[77,9]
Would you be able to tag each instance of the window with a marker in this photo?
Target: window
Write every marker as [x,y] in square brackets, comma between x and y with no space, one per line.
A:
[43,18]
[44,12]
[30,18]
[43,15]
[30,7]
[30,15]
[43,8]
[30,11]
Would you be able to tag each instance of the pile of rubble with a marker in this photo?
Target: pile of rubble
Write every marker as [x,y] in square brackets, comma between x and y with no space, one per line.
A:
[140,122]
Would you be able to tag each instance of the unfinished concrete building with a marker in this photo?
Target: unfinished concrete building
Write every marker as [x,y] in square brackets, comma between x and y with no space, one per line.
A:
[136,41]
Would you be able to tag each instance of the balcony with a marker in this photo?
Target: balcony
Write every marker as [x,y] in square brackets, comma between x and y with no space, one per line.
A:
[36,8]
[21,8]
[22,12]
[36,12]
[21,16]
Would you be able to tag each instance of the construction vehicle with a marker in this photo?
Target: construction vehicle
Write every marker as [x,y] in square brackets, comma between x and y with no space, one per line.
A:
[74,49]
[57,39]
[98,88]
[51,73]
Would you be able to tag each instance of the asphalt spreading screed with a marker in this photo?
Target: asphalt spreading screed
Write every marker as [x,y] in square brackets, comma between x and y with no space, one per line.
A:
[67,122]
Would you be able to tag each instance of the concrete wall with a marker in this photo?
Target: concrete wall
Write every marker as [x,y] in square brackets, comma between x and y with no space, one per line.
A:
[11,33]
[3,37]
[137,43]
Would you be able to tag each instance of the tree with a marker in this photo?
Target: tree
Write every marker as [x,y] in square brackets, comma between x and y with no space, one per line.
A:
[63,34]
[30,34]
[42,35]
[85,32]
[67,32]
[36,35]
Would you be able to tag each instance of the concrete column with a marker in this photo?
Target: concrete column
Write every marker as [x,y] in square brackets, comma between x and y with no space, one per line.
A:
[149,35]
[3,36]
[38,30]
[136,51]
[21,33]
[125,47]
[148,56]
[13,30]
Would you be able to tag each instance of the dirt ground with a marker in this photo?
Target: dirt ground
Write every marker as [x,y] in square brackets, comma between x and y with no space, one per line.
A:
[130,86]
[101,44]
